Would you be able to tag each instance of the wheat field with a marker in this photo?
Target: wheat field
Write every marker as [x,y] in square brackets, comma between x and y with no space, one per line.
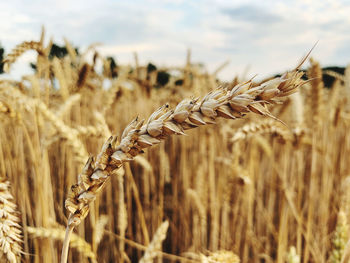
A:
[265,179]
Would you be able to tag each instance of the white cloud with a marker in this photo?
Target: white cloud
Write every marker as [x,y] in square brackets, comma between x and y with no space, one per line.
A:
[268,35]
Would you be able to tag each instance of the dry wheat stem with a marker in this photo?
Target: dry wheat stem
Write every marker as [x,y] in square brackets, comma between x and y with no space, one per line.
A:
[190,113]
[58,234]
[142,247]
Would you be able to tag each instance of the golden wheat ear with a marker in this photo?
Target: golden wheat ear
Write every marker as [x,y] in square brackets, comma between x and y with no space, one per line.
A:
[156,244]
[10,229]
[18,51]
[225,103]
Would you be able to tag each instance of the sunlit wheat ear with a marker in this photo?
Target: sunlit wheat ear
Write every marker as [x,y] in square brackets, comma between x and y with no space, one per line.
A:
[10,230]
[100,228]
[66,132]
[188,114]
[265,127]
[19,50]
[317,91]
[156,244]
[67,105]
[7,110]
[221,256]
[71,135]
[340,238]
[298,114]
[292,256]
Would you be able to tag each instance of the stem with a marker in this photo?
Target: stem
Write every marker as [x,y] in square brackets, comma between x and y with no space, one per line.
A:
[65,247]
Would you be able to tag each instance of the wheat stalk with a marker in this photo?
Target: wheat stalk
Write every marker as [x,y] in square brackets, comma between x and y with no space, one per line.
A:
[10,230]
[58,234]
[190,113]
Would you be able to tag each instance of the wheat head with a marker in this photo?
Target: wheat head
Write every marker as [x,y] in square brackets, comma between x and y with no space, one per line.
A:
[10,230]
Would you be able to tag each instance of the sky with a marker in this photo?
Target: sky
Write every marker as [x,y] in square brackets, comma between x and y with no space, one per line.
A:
[258,37]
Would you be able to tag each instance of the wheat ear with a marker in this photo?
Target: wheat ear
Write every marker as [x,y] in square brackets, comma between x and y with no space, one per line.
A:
[19,50]
[265,127]
[10,230]
[6,109]
[156,243]
[292,256]
[190,113]
[221,256]
[340,238]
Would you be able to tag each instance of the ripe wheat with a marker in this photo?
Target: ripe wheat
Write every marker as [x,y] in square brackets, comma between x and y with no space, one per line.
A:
[10,230]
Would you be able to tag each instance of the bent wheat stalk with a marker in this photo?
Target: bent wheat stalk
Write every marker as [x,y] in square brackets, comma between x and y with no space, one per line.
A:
[190,113]
[58,234]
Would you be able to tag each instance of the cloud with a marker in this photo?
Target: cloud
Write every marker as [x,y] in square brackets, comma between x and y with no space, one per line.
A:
[119,49]
[268,35]
[251,14]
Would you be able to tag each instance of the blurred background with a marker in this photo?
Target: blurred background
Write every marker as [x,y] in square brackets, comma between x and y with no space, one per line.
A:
[257,37]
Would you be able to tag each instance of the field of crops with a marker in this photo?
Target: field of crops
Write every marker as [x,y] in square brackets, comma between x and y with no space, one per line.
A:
[102,162]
